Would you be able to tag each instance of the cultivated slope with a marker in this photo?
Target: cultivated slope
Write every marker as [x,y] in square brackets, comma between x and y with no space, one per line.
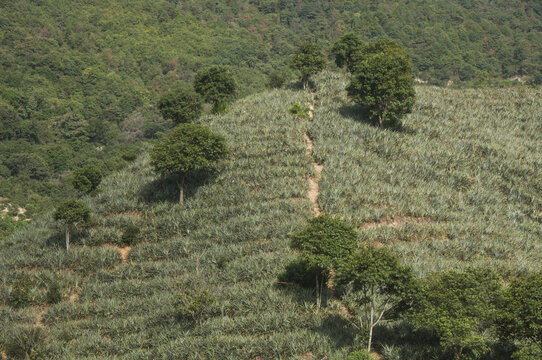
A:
[459,185]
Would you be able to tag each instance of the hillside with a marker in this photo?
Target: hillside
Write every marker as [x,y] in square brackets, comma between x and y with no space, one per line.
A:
[79,80]
[457,185]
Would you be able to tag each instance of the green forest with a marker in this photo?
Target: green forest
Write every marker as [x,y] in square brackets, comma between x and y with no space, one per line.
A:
[271,179]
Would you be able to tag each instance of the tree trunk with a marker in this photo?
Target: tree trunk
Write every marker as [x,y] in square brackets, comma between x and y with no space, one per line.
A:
[372,323]
[318,299]
[381,121]
[181,191]
[67,239]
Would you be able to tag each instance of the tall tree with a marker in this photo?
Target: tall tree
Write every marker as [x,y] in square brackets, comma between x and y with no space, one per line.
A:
[187,148]
[217,86]
[181,105]
[72,213]
[308,60]
[382,81]
[377,282]
[324,244]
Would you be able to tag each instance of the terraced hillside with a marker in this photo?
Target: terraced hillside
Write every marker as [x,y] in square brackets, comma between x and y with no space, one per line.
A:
[231,239]
[459,185]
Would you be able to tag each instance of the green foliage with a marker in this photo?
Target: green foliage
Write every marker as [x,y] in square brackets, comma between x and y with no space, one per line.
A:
[519,318]
[182,105]
[531,351]
[299,111]
[187,148]
[382,81]
[193,303]
[25,342]
[359,355]
[72,213]
[460,307]
[277,79]
[87,178]
[21,293]
[54,292]
[130,236]
[344,48]
[216,85]
[308,60]
[326,242]
[302,273]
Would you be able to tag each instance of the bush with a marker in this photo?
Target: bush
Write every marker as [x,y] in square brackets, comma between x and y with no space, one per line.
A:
[130,235]
[193,303]
[299,111]
[25,342]
[359,355]
[21,293]
[529,352]
[54,293]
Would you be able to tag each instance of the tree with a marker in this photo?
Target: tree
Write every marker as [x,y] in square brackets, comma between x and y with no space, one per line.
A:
[189,147]
[520,317]
[324,244]
[382,81]
[459,307]
[377,282]
[308,60]
[217,86]
[87,178]
[181,105]
[343,49]
[72,213]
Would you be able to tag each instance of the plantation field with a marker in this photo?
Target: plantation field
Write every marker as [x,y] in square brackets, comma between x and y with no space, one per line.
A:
[231,239]
[458,185]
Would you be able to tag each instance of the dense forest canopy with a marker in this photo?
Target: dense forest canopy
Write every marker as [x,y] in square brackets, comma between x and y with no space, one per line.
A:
[79,80]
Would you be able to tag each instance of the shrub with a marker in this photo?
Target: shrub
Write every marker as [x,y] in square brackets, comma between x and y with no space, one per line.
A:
[193,303]
[299,111]
[21,293]
[359,355]
[130,235]
[25,342]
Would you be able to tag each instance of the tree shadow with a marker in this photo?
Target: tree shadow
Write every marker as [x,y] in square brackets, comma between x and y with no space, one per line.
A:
[361,114]
[167,190]
[338,329]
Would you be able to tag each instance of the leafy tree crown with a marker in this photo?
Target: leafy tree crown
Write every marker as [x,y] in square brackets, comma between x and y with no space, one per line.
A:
[72,212]
[87,178]
[308,60]
[344,48]
[215,84]
[326,241]
[181,105]
[188,147]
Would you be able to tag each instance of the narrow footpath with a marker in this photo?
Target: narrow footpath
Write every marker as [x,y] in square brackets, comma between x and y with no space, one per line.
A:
[314,188]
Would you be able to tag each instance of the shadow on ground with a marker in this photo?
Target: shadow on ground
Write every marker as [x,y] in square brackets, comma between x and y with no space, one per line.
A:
[361,114]
[167,190]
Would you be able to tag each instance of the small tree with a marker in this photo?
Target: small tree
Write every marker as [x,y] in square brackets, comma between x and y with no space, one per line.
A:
[87,178]
[217,86]
[344,48]
[181,105]
[459,308]
[378,284]
[308,60]
[324,244]
[72,213]
[382,81]
[189,147]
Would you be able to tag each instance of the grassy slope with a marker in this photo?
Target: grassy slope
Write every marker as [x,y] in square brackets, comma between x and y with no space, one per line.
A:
[231,238]
[466,170]
[467,162]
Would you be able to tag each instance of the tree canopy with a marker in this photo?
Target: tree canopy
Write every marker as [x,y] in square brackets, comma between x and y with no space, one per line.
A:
[182,105]
[87,178]
[71,213]
[308,60]
[187,148]
[382,81]
[216,84]
[344,48]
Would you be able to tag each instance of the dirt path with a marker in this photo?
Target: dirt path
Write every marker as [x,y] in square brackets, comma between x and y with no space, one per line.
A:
[124,253]
[314,188]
